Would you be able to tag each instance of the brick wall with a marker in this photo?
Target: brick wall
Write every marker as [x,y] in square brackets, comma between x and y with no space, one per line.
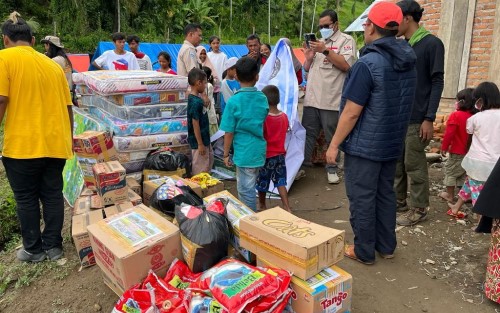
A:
[432,12]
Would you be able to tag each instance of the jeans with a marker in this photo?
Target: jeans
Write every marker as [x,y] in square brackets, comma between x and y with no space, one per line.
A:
[34,181]
[369,187]
[314,120]
[413,165]
[246,178]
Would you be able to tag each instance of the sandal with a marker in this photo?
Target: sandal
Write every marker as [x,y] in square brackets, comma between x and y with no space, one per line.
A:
[445,196]
[349,252]
[459,215]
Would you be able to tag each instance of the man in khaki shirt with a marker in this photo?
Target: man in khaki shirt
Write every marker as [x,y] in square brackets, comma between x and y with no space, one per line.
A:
[327,61]
[187,59]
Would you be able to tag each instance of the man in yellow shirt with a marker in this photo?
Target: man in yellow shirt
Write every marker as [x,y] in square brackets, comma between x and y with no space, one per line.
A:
[35,99]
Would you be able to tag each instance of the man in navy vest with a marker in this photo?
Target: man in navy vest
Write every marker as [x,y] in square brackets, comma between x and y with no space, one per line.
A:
[375,110]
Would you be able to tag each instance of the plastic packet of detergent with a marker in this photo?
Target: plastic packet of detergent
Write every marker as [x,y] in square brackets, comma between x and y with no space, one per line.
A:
[235,284]
[179,277]
[200,303]
[165,300]
[269,303]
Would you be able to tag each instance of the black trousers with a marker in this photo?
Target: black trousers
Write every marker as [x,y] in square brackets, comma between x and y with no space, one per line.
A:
[369,187]
[34,181]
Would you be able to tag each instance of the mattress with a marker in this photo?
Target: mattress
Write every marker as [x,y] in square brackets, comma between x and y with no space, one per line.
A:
[142,154]
[118,82]
[144,98]
[141,112]
[133,166]
[121,127]
[132,143]
[83,90]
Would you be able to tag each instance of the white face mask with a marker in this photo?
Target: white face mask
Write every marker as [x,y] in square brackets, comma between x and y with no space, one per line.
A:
[326,33]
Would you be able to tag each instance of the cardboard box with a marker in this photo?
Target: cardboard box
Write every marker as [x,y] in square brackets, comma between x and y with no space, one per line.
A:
[92,142]
[84,204]
[117,208]
[133,197]
[110,182]
[81,236]
[236,210]
[150,186]
[302,247]
[134,185]
[213,189]
[329,291]
[153,174]
[127,245]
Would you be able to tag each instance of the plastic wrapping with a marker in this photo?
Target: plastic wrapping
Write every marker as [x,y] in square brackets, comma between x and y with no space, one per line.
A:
[145,98]
[121,127]
[83,90]
[123,144]
[118,82]
[141,112]
[133,166]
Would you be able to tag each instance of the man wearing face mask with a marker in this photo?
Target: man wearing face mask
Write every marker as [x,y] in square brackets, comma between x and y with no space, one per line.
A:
[327,61]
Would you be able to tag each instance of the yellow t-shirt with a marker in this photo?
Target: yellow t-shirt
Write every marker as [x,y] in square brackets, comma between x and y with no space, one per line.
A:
[37,123]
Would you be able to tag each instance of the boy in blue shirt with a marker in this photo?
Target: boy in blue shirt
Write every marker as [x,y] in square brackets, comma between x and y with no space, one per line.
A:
[243,122]
[198,124]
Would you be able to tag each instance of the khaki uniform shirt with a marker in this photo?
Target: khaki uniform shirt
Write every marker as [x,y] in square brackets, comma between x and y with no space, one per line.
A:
[325,81]
[186,59]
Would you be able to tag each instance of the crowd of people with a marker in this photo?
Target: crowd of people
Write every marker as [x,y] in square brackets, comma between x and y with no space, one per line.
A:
[378,110]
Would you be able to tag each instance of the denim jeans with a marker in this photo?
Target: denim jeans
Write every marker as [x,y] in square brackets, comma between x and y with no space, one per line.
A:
[246,178]
[34,181]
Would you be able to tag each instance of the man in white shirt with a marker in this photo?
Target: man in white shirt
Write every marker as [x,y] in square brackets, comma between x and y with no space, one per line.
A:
[142,58]
[187,59]
[117,59]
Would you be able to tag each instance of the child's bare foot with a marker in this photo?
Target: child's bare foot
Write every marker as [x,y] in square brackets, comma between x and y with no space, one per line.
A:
[445,196]
[454,207]
[455,212]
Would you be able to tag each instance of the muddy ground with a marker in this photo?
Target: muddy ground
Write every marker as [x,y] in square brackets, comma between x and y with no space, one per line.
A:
[408,283]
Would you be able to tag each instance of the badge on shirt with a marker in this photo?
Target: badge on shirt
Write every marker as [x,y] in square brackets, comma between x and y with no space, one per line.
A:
[347,48]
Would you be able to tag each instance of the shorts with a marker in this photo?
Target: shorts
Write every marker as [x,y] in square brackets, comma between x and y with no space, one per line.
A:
[454,173]
[275,170]
[471,190]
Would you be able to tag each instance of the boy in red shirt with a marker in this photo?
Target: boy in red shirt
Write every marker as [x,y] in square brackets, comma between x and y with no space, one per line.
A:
[455,142]
[275,129]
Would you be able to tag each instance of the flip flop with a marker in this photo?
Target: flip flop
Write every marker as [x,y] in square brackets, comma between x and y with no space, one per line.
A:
[459,215]
[349,252]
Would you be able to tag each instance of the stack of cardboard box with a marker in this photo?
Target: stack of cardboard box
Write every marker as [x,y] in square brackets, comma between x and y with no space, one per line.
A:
[310,251]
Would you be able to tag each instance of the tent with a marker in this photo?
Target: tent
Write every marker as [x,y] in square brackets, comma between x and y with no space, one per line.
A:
[357,25]
[80,62]
[152,50]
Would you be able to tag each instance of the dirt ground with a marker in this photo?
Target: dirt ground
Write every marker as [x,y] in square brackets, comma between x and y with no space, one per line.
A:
[408,283]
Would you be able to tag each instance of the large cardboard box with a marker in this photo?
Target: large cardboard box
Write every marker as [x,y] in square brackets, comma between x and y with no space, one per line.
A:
[134,185]
[149,186]
[127,245]
[329,291]
[84,204]
[81,237]
[236,210]
[154,174]
[133,197]
[213,189]
[117,208]
[110,182]
[289,242]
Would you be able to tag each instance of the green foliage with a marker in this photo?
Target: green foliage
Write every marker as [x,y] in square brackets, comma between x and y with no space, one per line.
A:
[9,224]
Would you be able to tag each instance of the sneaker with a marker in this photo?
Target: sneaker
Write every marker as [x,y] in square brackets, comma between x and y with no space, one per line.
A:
[25,256]
[412,217]
[386,256]
[401,206]
[300,174]
[54,254]
[333,178]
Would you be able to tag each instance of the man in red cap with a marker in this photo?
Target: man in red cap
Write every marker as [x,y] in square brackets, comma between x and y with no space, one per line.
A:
[375,110]
[430,83]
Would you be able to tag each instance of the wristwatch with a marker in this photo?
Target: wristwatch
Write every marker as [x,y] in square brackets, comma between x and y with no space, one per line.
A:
[326,52]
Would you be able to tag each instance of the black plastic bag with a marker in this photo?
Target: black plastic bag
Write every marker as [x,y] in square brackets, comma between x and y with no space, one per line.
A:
[204,234]
[168,195]
[164,159]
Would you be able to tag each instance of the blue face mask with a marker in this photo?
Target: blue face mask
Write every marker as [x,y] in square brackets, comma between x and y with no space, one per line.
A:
[326,33]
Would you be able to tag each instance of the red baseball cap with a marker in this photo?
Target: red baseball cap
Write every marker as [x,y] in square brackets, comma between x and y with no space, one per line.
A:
[383,13]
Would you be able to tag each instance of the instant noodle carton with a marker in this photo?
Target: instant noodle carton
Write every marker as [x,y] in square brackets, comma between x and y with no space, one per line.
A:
[235,212]
[300,246]
[329,291]
[133,197]
[128,244]
[81,236]
[134,185]
[85,204]
[110,182]
[150,186]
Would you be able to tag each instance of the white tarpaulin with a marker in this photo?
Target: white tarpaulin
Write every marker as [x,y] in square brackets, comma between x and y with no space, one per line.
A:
[279,71]
[357,25]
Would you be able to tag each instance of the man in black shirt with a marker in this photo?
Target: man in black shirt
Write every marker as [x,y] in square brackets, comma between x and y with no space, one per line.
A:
[430,83]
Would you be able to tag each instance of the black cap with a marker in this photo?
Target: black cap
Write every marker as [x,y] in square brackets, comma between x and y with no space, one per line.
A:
[409,7]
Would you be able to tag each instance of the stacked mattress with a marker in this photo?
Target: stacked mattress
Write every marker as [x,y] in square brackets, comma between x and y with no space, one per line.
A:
[143,110]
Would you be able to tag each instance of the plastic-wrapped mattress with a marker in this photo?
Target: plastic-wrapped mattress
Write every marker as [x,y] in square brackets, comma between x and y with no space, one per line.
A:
[121,127]
[144,98]
[141,112]
[118,82]
[123,144]
[133,166]
[130,156]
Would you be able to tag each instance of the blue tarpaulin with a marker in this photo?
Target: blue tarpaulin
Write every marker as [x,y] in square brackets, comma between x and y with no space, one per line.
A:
[152,50]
